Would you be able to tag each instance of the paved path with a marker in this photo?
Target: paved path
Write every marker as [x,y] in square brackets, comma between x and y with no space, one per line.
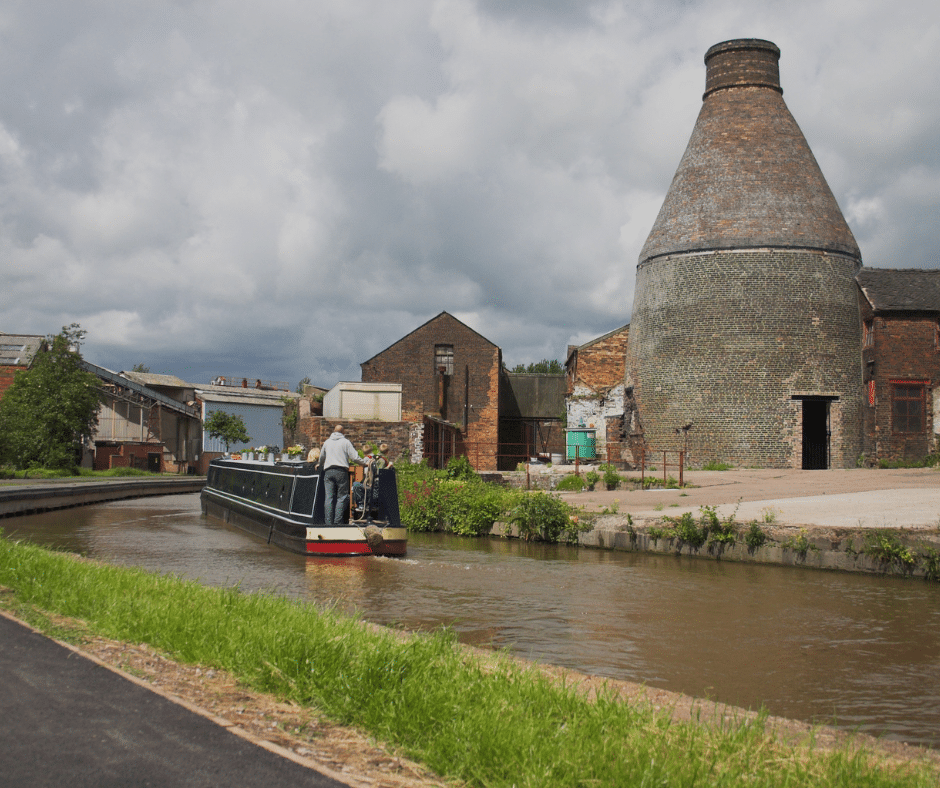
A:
[67,720]
[857,498]
[21,496]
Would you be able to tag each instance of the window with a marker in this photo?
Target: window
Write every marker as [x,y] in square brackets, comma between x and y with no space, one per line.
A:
[444,359]
[907,407]
[868,333]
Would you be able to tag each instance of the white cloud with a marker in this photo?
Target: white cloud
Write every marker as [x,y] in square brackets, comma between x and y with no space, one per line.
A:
[285,189]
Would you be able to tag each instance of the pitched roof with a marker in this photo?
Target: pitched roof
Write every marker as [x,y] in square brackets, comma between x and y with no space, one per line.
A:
[150,379]
[248,396]
[17,350]
[238,399]
[573,348]
[439,316]
[901,289]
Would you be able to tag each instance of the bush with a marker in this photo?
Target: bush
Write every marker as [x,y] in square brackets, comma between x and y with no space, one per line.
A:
[539,515]
[571,483]
[592,478]
[473,507]
[460,468]
[611,477]
[754,537]
[420,497]
[688,531]
[430,500]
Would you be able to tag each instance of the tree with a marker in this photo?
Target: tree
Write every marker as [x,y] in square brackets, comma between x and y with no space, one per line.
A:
[303,382]
[227,428]
[543,367]
[140,368]
[51,409]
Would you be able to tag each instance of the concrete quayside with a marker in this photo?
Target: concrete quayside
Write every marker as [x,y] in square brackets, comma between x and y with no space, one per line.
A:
[28,496]
[818,519]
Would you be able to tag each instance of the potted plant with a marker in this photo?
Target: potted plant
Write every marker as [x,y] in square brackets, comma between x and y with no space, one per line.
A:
[611,477]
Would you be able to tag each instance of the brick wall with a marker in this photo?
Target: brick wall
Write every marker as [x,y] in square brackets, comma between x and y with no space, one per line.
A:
[468,398]
[6,377]
[725,340]
[600,364]
[129,455]
[903,348]
[314,430]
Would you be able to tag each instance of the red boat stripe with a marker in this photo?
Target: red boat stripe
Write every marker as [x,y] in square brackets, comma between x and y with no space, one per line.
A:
[336,548]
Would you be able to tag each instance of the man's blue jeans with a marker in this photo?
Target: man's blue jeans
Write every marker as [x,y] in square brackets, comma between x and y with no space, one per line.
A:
[336,481]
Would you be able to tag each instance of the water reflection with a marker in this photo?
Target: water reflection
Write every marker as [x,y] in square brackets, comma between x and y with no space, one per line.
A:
[809,645]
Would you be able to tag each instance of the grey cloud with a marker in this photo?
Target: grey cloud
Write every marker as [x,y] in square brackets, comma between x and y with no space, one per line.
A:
[281,189]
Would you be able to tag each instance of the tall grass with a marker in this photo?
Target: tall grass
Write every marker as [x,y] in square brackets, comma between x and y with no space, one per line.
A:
[492,724]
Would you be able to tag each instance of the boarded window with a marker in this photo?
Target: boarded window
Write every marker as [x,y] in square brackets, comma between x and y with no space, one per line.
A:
[444,359]
[868,333]
[907,408]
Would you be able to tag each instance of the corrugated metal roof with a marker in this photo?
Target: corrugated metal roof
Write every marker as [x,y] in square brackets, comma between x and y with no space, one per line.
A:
[238,399]
[350,386]
[132,385]
[240,393]
[150,379]
[901,289]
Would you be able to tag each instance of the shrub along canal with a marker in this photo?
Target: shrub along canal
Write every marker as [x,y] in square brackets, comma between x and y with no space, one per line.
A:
[857,650]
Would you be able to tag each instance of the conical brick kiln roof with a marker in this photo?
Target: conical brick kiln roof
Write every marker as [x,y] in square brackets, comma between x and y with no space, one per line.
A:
[748,177]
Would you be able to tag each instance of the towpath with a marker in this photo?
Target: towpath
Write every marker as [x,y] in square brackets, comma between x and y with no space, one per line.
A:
[66,719]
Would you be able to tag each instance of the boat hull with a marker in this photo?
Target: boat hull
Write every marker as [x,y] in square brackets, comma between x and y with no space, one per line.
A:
[280,503]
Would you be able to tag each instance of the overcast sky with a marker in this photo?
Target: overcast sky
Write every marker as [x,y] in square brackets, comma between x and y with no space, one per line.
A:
[284,188]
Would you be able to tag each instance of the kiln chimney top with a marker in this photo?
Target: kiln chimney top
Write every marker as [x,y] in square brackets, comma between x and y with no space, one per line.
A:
[742,62]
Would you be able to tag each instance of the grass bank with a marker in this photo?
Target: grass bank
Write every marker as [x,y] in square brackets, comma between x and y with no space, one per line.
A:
[78,474]
[492,724]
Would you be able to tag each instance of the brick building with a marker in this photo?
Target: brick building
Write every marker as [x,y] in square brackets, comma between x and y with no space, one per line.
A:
[450,377]
[745,324]
[900,312]
[16,353]
[596,395]
[145,421]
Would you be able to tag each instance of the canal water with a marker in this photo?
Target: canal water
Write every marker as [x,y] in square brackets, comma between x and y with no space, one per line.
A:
[858,651]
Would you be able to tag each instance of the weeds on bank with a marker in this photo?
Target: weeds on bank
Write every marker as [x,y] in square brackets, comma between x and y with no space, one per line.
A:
[930,461]
[799,544]
[754,536]
[708,529]
[887,547]
[490,723]
[716,466]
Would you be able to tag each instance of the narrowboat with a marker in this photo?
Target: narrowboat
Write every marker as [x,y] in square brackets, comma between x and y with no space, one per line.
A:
[283,503]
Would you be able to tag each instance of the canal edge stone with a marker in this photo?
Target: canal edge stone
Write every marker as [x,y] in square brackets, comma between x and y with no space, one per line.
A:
[827,548]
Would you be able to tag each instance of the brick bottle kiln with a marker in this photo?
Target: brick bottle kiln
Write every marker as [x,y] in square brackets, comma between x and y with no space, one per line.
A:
[746,319]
